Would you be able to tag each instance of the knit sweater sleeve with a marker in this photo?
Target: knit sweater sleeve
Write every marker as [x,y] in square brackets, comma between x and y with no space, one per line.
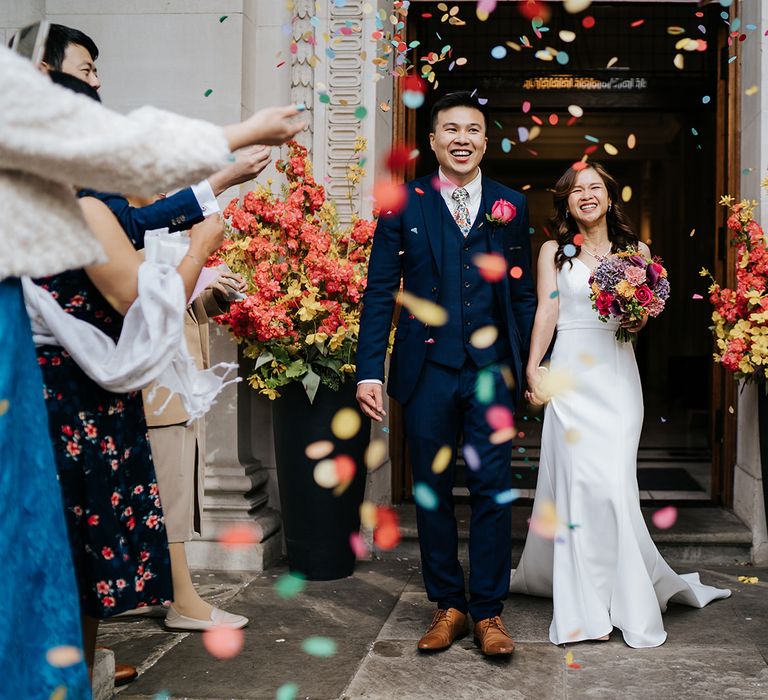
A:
[58,135]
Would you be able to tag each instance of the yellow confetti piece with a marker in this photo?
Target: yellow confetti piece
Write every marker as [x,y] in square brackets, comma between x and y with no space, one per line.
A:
[544,521]
[499,437]
[572,436]
[442,459]
[325,474]
[424,310]
[730,410]
[626,193]
[679,61]
[587,359]
[751,90]
[693,231]
[569,658]
[319,449]
[534,132]
[631,141]
[484,337]
[59,694]
[612,62]
[375,454]
[368,515]
[576,6]
[610,149]
[63,656]
[675,31]
[567,36]
[461,61]
[4,404]
[346,423]
[748,579]
[553,382]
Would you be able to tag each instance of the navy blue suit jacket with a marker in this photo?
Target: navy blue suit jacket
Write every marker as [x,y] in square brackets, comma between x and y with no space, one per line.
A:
[409,244]
[178,212]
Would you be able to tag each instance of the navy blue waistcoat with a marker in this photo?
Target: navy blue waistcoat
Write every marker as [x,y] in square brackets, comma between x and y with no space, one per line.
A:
[470,301]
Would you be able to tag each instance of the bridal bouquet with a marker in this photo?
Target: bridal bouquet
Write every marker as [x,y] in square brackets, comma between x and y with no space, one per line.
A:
[628,286]
[740,316]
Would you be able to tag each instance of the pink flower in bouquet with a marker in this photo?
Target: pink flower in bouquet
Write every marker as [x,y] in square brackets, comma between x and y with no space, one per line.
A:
[603,303]
[635,276]
[502,212]
[643,295]
[655,307]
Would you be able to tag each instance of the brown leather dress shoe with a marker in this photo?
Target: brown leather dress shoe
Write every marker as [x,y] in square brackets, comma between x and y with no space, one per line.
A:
[492,637]
[447,625]
[124,674]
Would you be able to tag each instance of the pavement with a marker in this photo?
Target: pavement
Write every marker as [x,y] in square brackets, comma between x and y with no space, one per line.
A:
[375,618]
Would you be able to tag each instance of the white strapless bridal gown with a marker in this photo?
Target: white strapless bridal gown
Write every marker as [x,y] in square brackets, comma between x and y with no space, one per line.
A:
[602,569]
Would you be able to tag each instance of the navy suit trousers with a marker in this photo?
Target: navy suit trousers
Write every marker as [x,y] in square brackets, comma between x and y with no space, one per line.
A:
[443,406]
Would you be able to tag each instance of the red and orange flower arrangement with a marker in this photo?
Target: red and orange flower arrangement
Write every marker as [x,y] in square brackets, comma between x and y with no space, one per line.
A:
[740,315]
[306,273]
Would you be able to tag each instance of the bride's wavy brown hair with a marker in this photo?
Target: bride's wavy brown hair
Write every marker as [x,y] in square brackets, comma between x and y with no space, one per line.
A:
[620,231]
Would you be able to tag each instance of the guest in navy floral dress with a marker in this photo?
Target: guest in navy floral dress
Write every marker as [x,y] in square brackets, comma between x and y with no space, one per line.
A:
[105,467]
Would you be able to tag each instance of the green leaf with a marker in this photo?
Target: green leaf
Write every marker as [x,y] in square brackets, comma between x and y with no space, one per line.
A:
[311,382]
[263,359]
[296,369]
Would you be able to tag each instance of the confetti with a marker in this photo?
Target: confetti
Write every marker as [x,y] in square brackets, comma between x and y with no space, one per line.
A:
[706,99]
[223,642]
[387,532]
[567,36]
[358,546]
[748,579]
[63,656]
[679,61]
[508,496]
[361,113]
[424,310]
[569,250]
[554,295]
[425,496]
[552,382]
[223,17]
[544,521]
[484,388]
[637,23]
[345,468]
[576,6]
[612,62]
[697,296]
[346,423]
[390,196]
[499,437]
[368,515]
[665,518]
[239,535]
[60,693]
[319,646]
[751,90]
[492,266]
[499,417]
[506,145]
[325,474]
[631,141]
[319,449]
[471,457]
[572,436]
[208,92]
[290,585]
[4,404]
[575,111]
[588,22]
[499,52]
[516,272]
[287,691]
[375,454]
[484,337]
[626,193]
[610,149]
[442,459]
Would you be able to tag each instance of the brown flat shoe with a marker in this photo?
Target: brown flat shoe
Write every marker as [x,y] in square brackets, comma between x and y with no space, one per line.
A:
[492,637]
[447,626]
[124,674]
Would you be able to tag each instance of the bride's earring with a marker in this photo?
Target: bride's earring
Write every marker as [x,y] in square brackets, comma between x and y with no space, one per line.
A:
[610,206]
[567,214]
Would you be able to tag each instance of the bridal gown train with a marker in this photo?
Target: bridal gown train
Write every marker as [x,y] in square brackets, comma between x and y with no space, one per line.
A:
[601,569]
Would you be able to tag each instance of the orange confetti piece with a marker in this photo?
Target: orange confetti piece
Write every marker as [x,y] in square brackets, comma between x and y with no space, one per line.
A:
[223,642]
[516,272]
[239,535]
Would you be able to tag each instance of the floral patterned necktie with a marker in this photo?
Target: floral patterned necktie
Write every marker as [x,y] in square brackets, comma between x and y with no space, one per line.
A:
[461,212]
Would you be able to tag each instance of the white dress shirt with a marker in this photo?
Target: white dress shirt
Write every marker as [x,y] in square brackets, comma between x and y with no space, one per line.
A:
[205,198]
[474,190]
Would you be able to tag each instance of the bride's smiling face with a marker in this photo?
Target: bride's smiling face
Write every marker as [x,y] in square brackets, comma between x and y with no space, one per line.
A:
[588,200]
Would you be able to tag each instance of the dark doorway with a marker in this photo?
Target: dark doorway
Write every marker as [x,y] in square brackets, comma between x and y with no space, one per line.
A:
[672,115]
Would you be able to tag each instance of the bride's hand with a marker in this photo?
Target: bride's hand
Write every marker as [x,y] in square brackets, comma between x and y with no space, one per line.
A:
[634,326]
[533,377]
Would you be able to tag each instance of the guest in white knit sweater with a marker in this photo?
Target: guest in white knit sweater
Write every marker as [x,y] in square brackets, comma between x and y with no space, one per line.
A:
[50,140]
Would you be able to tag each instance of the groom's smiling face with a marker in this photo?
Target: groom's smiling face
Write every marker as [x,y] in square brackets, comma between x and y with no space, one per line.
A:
[459,142]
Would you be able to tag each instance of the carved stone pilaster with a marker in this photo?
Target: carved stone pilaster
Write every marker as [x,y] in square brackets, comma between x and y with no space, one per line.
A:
[303,62]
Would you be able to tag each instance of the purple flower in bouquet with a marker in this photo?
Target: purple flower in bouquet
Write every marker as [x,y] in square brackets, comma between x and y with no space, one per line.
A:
[661,289]
[609,272]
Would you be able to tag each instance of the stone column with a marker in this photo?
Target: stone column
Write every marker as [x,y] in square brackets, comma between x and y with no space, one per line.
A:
[16,13]
[748,487]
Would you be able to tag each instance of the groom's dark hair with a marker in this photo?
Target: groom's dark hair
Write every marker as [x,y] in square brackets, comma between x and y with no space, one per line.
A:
[464,98]
[59,37]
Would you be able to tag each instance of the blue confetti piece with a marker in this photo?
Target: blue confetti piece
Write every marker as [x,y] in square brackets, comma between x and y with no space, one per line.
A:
[735,24]
[504,497]
[506,145]
[330,52]
[569,250]
[319,646]
[287,691]
[314,21]
[385,429]
[694,132]
[751,27]
[425,496]
[413,99]
[706,99]
[562,58]
[731,59]
[499,52]
[593,139]
[554,294]
[471,457]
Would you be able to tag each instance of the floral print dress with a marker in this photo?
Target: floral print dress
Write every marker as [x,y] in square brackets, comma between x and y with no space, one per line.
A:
[103,458]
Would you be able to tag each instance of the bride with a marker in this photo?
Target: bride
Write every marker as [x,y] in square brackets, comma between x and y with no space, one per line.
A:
[588,546]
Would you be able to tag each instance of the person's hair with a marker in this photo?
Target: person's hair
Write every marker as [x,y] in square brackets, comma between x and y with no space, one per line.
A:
[620,232]
[75,84]
[59,37]
[457,99]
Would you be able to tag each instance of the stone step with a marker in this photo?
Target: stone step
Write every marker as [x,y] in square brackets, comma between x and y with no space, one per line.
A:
[701,535]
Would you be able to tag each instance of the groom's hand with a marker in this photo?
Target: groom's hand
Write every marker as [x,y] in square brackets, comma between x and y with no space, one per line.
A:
[370,396]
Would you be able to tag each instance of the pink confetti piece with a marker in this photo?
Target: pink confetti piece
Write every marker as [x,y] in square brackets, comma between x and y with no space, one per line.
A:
[665,518]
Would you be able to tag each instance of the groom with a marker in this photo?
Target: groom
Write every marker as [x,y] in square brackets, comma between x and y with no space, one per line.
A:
[443,375]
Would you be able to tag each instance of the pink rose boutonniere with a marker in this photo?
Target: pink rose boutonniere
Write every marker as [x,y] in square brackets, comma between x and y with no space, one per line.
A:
[502,212]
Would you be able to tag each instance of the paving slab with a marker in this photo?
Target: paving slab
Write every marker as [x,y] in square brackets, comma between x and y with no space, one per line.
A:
[395,669]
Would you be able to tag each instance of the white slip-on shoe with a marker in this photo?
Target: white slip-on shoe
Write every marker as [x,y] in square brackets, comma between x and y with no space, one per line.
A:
[219,618]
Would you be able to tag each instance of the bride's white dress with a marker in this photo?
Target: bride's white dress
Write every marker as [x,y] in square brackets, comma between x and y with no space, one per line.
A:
[601,569]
